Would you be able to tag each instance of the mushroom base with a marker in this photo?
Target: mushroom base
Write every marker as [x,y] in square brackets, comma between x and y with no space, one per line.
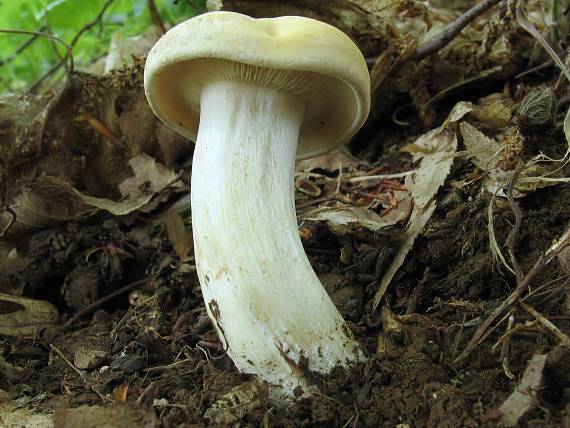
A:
[268,306]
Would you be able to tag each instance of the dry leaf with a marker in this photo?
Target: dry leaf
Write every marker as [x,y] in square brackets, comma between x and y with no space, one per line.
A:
[123,49]
[180,237]
[438,150]
[20,316]
[489,155]
[13,416]
[150,177]
[494,111]
[330,162]
[234,405]
[340,218]
[416,224]
[120,392]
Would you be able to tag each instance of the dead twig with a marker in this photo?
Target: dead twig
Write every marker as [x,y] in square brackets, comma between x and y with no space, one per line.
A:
[506,348]
[23,46]
[418,292]
[452,30]
[511,239]
[76,370]
[317,201]
[170,366]
[98,20]
[155,16]
[102,300]
[101,129]
[537,268]
[51,37]
[561,336]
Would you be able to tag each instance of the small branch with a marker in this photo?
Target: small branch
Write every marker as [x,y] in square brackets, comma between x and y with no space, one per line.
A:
[555,17]
[537,268]
[505,348]
[76,370]
[452,30]
[192,5]
[511,239]
[155,16]
[561,336]
[101,129]
[22,47]
[102,300]
[98,20]
[51,37]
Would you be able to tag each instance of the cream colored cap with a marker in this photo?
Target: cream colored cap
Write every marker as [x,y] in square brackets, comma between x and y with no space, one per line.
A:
[309,58]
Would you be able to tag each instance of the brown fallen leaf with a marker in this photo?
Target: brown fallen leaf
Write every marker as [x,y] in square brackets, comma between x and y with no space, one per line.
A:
[20,316]
[231,407]
[180,237]
[120,392]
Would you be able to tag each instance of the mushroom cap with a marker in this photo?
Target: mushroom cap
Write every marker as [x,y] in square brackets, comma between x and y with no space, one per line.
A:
[303,56]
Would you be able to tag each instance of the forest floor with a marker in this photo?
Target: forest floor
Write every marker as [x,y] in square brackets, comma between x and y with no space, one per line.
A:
[113,331]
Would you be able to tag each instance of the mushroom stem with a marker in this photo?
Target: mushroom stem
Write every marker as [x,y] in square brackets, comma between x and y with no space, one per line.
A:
[268,306]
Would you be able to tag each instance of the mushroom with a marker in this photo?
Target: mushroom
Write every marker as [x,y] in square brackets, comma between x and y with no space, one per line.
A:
[254,94]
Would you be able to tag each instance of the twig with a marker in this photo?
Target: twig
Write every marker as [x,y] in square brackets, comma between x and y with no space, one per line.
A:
[76,370]
[101,129]
[155,15]
[418,292]
[505,348]
[192,5]
[316,201]
[86,27]
[22,47]
[511,239]
[563,338]
[537,268]
[51,37]
[452,29]
[380,177]
[555,16]
[102,300]
[168,366]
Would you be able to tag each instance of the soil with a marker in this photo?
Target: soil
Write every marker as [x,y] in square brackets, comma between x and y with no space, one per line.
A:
[151,347]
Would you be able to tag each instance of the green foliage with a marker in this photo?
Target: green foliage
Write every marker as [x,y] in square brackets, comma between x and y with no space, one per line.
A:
[64,19]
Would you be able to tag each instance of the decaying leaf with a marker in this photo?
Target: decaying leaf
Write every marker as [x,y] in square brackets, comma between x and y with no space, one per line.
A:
[20,316]
[330,162]
[11,416]
[47,201]
[234,405]
[120,392]
[123,49]
[179,236]
[416,224]
[523,398]
[492,157]
[437,150]
[150,177]
[494,111]
[340,218]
